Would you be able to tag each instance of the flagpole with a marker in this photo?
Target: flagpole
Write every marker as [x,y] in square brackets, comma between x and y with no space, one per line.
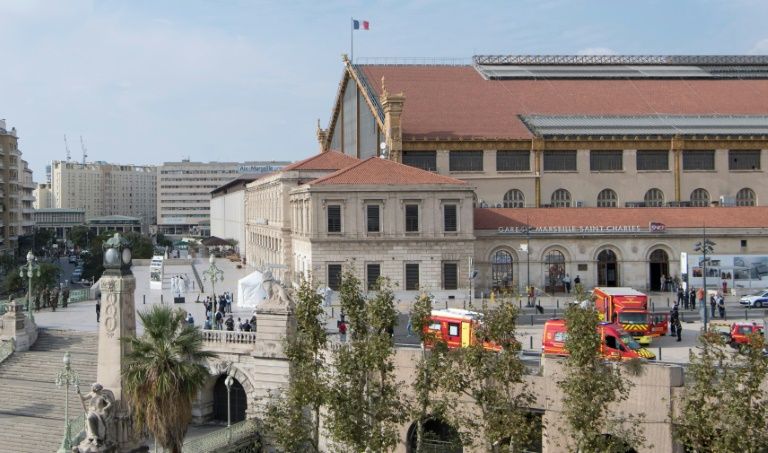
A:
[351,39]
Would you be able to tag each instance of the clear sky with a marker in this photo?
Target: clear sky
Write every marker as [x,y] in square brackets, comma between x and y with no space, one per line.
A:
[159,80]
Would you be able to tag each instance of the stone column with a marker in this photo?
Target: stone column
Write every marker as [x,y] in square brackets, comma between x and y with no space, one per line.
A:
[118,320]
[15,325]
[392,104]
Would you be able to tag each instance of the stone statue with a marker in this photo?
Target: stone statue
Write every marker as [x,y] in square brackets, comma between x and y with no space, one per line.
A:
[99,414]
[275,291]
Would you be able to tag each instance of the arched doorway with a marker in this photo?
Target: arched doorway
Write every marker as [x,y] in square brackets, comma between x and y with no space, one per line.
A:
[438,437]
[659,265]
[554,271]
[607,268]
[501,270]
[238,400]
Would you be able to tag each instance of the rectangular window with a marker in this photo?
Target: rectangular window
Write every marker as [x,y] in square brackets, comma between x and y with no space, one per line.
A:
[699,160]
[450,221]
[426,160]
[649,160]
[453,329]
[450,275]
[373,223]
[411,276]
[606,160]
[513,160]
[334,218]
[334,276]
[748,159]
[372,274]
[559,160]
[466,161]
[411,218]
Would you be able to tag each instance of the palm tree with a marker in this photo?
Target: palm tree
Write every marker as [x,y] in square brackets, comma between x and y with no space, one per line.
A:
[164,371]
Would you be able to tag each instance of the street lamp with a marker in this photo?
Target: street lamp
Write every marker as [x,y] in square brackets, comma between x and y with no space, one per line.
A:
[526,248]
[213,274]
[704,246]
[66,377]
[30,269]
[228,382]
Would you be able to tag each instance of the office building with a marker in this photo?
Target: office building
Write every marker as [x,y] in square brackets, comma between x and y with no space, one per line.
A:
[184,192]
[43,196]
[15,192]
[103,189]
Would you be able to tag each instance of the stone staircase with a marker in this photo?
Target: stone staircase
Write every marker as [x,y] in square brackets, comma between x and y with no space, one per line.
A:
[31,406]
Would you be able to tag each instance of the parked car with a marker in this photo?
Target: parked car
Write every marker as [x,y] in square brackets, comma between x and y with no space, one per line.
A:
[756,300]
[72,259]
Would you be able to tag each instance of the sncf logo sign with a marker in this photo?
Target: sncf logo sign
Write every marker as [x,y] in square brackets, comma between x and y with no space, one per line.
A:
[656,227]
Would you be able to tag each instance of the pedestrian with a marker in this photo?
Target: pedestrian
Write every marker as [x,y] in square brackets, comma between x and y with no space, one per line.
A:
[567,283]
[680,298]
[228,298]
[410,326]
[692,298]
[230,323]
[190,320]
[342,331]
[701,298]
[725,287]
[679,328]
[207,325]
[674,316]
[662,286]
[721,305]
[219,319]
[239,324]
[98,309]
[253,323]
[222,304]
[712,305]
[577,282]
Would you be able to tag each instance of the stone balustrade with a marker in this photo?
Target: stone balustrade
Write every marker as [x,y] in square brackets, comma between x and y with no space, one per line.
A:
[229,336]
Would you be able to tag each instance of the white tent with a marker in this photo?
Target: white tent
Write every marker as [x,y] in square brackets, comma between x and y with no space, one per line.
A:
[249,290]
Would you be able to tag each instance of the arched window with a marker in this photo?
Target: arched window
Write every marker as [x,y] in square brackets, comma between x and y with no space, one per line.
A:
[654,198]
[501,270]
[607,199]
[746,197]
[700,197]
[514,199]
[561,198]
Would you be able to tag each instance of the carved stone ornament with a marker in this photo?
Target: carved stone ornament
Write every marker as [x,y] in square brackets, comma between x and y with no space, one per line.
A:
[100,421]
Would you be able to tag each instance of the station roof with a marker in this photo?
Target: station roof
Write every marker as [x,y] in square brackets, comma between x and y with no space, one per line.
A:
[377,171]
[329,160]
[544,218]
[461,102]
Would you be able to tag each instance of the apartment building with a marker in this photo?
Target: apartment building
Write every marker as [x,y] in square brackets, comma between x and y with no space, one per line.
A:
[104,189]
[184,192]
[15,192]
[43,196]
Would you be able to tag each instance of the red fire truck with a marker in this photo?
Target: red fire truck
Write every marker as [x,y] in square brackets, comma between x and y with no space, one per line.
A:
[629,309]
[457,328]
[615,344]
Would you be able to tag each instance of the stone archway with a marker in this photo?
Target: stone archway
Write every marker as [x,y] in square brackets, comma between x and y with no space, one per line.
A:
[205,406]
[658,266]
[607,268]
[237,404]
[438,436]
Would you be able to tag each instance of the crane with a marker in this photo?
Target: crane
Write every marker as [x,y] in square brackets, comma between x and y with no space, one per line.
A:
[85,150]
[66,146]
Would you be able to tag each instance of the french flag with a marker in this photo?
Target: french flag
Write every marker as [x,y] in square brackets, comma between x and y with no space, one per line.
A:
[360,24]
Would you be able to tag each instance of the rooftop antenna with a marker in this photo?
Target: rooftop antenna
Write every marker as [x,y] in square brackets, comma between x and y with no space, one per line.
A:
[66,146]
[85,150]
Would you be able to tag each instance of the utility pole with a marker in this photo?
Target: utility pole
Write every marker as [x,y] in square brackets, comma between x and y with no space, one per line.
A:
[705,246]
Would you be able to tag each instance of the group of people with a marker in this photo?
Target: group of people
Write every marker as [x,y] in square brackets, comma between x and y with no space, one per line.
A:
[689,300]
[567,282]
[218,312]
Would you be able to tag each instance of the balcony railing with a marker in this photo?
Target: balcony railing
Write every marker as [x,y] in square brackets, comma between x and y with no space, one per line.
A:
[229,336]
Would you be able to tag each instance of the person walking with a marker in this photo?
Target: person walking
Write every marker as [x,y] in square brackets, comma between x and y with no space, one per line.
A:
[712,306]
[567,283]
[721,305]
[343,331]
[679,328]
[98,309]
[674,317]
[681,300]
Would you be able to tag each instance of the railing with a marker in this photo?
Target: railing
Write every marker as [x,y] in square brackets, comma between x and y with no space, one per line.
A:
[6,349]
[226,439]
[229,336]
[76,429]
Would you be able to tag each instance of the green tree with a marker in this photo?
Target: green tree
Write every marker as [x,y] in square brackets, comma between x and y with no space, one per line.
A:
[80,236]
[295,429]
[429,368]
[43,238]
[163,241]
[365,406]
[723,408]
[163,373]
[141,245]
[493,380]
[49,277]
[590,385]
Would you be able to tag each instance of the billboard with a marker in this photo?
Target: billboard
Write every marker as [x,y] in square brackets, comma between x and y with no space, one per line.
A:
[739,271]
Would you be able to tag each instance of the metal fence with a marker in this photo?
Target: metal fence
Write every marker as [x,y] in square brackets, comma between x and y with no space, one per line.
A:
[235,438]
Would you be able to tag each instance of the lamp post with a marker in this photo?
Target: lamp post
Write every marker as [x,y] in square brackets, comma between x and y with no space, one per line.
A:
[213,274]
[30,269]
[228,382]
[66,377]
[704,246]
[526,248]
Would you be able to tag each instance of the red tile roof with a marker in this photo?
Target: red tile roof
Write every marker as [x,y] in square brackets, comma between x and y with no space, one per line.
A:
[329,160]
[456,102]
[713,217]
[384,172]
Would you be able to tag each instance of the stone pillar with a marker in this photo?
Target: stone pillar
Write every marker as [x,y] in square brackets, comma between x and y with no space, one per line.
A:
[15,325]
[322,137]
[392,104]
[118,320]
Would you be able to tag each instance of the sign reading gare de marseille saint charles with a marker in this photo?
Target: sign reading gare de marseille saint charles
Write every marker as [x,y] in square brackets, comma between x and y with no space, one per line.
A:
[653,227]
